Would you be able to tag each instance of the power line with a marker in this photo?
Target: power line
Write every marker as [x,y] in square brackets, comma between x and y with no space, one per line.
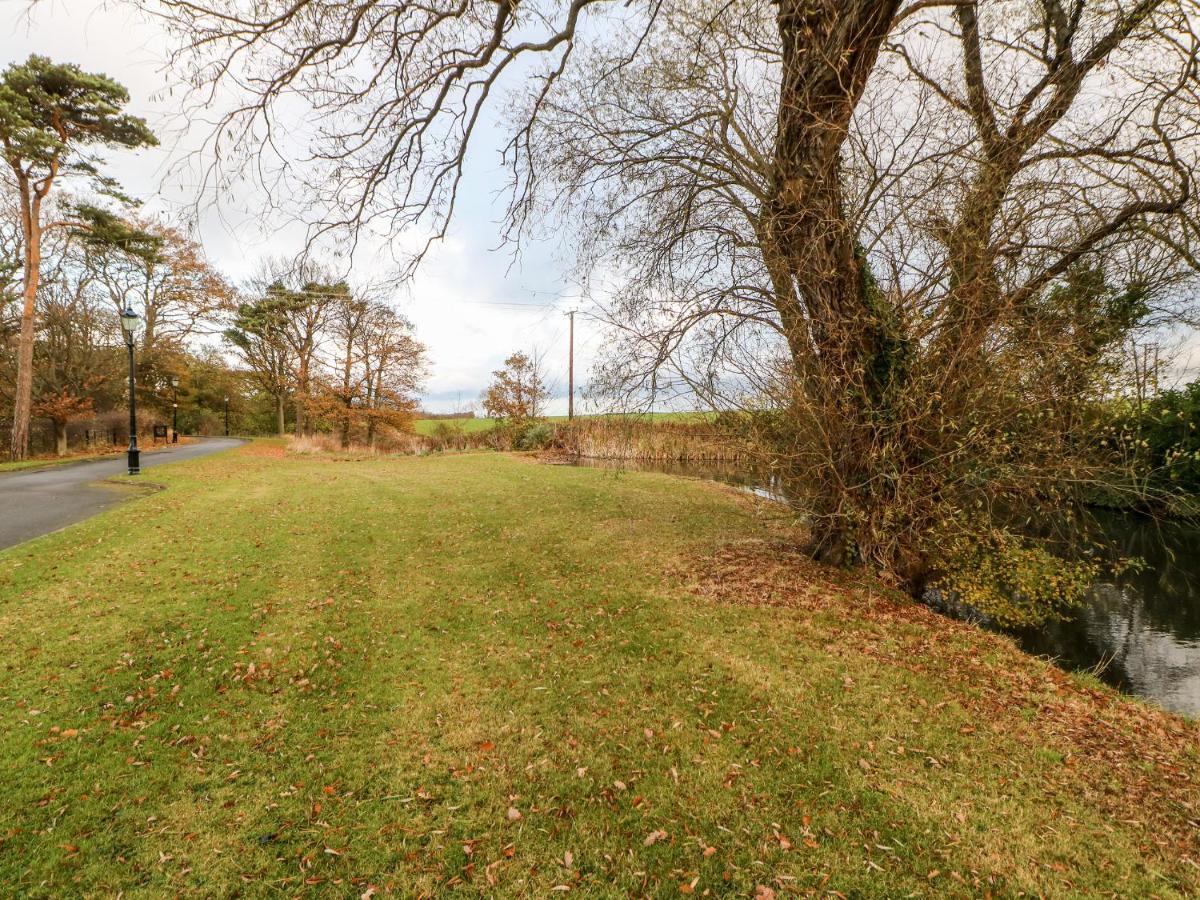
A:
[571,368]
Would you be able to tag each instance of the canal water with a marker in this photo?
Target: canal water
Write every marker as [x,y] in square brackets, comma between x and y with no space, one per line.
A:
[1139,631]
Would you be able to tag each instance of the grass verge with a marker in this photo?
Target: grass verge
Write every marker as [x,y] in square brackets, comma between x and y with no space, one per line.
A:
[44,462]
[476,674]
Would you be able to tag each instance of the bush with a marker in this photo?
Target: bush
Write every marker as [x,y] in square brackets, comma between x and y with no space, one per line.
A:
[1014,581]
[448,436]
[533,436]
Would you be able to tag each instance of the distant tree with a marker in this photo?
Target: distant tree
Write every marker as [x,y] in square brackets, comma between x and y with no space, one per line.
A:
[376,364]
[10,243]
[179,291]
[518,392]
[258,336]
[301,297]
[78,365]
[347,321]
[393,365]
[48,113]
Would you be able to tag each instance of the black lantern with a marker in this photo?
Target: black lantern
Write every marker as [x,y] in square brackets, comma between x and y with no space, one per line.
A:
[129,325]
[174,409]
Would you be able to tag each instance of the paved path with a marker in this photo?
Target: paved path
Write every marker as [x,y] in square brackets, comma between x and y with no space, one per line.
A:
[38,502]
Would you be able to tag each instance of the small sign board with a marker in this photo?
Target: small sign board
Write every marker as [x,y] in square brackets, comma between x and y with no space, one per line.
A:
[160,431]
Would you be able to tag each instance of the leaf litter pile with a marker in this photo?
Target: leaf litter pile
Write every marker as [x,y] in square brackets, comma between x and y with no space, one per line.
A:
[1136,763]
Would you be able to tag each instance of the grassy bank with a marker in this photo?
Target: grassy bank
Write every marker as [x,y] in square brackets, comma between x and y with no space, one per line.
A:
[475,673]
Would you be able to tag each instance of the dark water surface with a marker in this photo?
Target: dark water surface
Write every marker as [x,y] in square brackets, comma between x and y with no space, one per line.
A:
[1139,631]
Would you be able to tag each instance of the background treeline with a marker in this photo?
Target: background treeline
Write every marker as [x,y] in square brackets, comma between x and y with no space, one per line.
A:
[74,255]
[297,349]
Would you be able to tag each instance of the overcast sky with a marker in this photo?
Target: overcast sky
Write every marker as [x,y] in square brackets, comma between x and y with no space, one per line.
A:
[471,304]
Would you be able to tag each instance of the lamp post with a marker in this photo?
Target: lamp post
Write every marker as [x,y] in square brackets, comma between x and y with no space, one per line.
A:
[174,409]
[129,325]
[226,417]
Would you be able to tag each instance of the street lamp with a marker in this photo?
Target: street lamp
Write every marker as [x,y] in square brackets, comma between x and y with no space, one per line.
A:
[226,417]
[174,409]
[129,325]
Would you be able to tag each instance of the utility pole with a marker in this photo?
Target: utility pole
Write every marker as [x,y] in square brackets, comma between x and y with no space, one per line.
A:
[571,370]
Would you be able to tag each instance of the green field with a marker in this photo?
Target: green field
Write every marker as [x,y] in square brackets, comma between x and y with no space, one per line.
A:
[476,674]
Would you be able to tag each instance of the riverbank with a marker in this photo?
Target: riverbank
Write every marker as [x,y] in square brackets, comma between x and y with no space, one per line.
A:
[479,673]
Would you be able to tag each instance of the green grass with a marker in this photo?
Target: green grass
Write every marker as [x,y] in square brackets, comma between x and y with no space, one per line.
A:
[283,676]
[472,425]
[42,462]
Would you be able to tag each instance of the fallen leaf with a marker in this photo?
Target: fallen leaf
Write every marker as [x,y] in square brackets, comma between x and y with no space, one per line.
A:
[489,874]
[513,814]
[653,838]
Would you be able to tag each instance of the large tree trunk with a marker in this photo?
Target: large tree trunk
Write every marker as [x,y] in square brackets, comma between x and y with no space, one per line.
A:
[60,438]
[347,399]
[836,322]
[280,424]
[23,402]
[301,394]
[373,388]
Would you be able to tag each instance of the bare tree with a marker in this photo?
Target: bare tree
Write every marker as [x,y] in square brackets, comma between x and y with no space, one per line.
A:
[919,358]
[393,366]
[850,214]
[179,292]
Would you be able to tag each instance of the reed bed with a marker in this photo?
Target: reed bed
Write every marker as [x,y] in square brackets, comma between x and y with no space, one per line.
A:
[391,443]
[624,437]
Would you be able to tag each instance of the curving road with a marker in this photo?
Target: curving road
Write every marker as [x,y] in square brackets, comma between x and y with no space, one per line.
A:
[33,503]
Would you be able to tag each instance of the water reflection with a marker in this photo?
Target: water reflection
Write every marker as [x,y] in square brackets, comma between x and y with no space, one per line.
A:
[1142,628]
[1139,631]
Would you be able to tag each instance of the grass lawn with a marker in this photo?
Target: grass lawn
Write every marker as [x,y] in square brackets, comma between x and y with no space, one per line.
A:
[482,675]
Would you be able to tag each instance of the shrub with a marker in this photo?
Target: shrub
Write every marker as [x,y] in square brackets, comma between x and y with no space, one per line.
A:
[534,436]
[1012,580]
